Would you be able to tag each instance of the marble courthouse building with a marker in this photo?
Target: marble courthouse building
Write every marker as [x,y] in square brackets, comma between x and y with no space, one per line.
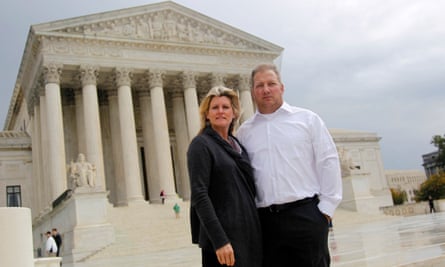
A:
[118,93]
[123,88]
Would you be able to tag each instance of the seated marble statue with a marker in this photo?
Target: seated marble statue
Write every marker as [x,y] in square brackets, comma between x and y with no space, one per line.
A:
[82,173]
[346,163]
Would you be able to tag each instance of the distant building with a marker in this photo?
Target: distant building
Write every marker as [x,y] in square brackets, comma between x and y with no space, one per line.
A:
[430,164]
[407,181]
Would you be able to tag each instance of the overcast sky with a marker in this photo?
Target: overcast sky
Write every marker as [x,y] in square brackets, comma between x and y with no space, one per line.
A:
[370,65]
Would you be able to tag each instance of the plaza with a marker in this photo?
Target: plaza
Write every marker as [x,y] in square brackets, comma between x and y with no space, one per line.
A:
[157,238]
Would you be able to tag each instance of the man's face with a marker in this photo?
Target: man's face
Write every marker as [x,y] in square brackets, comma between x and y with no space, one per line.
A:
[267,91]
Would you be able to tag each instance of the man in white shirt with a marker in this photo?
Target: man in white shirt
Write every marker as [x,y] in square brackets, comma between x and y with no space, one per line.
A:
[297,174]
[50,245]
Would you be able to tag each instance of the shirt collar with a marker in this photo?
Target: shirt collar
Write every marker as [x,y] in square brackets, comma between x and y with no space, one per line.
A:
[284,108]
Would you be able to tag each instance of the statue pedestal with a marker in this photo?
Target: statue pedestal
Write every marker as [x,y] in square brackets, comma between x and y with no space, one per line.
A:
[86,211]
[356,193]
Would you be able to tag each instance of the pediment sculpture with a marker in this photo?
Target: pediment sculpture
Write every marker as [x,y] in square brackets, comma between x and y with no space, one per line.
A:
[164,25]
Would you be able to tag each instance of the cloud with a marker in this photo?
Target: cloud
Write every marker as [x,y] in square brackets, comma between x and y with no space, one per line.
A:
[370,65]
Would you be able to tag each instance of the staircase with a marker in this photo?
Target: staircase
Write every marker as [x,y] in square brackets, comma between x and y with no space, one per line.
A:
[148,235]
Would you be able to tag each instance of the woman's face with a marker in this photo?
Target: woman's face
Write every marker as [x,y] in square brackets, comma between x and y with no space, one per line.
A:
[220,113]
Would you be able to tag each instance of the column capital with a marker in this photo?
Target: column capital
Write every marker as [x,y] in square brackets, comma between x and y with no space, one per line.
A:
[217,79]
[52,72]
[155,77]
[123,76]
[244,82]
[188,79]
[88,74]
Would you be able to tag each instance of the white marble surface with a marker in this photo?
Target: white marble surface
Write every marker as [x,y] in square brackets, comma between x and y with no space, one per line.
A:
[157,238]
[398,241]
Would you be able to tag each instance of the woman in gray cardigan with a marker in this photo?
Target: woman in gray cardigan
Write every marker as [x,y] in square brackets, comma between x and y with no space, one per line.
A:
[223,217]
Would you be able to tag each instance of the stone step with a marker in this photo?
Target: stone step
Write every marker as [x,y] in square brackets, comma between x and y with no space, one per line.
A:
[146,228]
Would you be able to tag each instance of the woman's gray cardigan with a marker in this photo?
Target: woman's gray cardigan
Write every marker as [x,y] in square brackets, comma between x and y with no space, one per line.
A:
[223,206]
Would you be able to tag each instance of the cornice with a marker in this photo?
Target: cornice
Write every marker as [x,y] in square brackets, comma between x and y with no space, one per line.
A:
[56,43]
[15,140]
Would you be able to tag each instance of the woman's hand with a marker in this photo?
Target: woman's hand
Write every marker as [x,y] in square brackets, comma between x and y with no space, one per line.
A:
[226,255]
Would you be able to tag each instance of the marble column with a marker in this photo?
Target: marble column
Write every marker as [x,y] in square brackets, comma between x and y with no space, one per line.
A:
[191,104]
[56,144]
[161,134]
[116,141]
[182,141]
[245,98]
[46,184]
[130,157]
[36,157]
[78,99]
[35,169]
[151,160]
[93,136]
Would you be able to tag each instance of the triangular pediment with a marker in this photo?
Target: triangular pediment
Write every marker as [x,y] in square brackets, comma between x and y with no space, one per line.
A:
[165,22]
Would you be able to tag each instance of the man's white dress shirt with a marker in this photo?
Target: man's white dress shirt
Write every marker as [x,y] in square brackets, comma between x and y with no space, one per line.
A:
[293,156]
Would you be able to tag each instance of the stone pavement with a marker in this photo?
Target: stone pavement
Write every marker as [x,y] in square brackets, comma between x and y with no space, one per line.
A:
[379,240]
[150,235]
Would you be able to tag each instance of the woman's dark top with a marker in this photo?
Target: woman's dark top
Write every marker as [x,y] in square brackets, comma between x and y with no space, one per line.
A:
[223,206]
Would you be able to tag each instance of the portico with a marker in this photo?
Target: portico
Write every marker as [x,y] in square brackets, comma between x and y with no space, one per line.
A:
[135,130]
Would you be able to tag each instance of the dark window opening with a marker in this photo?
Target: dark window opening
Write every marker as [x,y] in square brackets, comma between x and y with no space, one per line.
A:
[13,196]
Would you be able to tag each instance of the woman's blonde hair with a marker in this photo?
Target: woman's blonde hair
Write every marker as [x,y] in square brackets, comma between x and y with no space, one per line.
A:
[219,91]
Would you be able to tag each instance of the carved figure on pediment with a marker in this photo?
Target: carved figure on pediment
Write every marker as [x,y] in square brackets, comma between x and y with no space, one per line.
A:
[143,29]
[182,30]
[197,35]
[209,36]
[156,26]
[82,173]
[170,27]
[128,30]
